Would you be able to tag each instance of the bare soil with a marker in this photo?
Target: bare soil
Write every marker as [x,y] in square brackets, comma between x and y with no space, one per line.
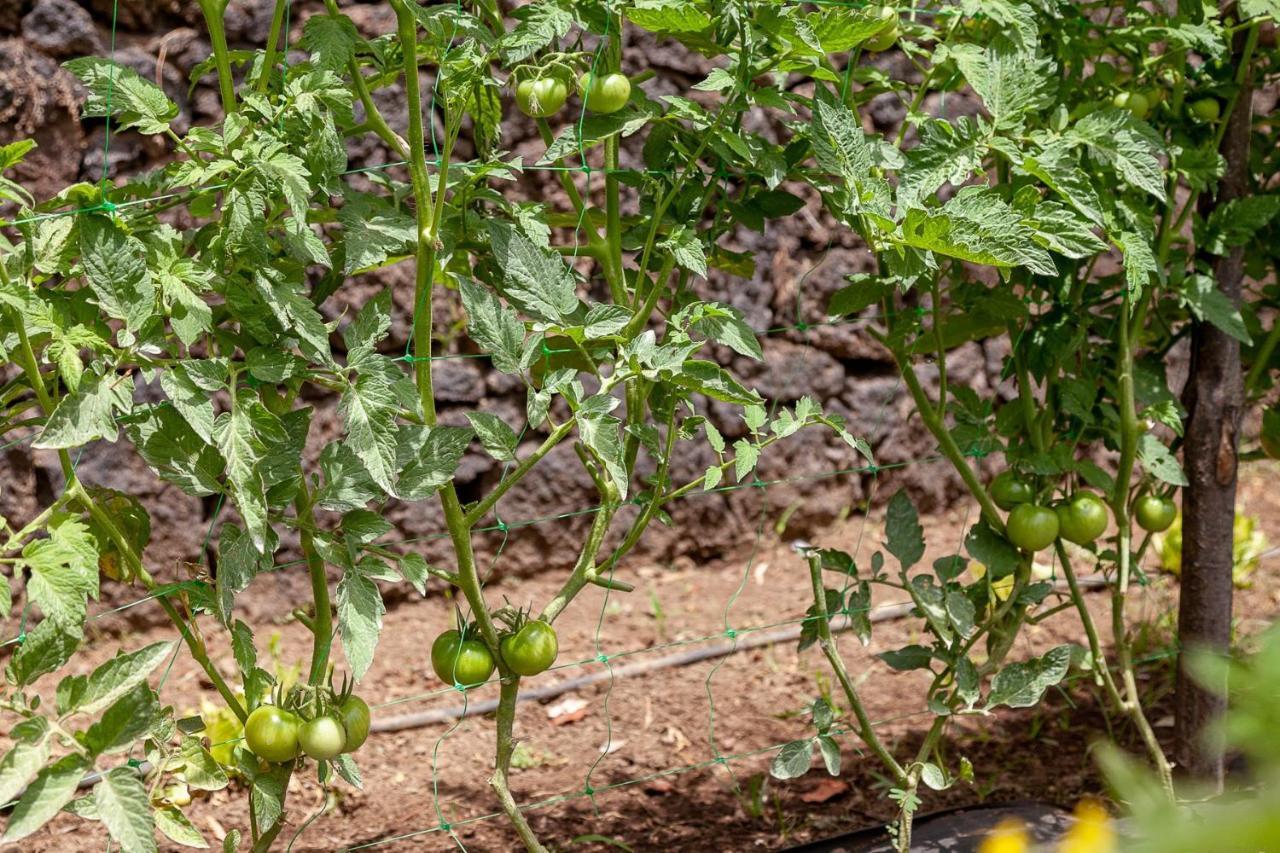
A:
[650,747]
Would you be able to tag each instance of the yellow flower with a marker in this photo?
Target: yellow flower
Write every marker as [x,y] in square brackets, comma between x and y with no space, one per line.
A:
[1009,836]
[1091,833]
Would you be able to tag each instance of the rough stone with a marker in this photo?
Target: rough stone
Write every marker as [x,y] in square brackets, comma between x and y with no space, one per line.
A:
[61,28]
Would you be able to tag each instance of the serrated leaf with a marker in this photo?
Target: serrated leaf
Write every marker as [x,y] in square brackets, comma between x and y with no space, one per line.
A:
[907,658]
[1211,305]
[115,267]
[368,408]
[20,763]
[1116,138]
[991,550]
[331,40]
[534,278]
[360,611]
[1020,685]
[976,225]
[119,91]
[1159,462]
[87,414]
[947,154]
[493,326]
[121,674]
[433,461]
[52,789]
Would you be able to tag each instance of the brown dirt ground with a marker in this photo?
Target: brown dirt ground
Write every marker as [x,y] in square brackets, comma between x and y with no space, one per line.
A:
[673,719]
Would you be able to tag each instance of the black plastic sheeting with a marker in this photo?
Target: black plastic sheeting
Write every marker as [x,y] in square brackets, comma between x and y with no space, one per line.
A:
[955,831]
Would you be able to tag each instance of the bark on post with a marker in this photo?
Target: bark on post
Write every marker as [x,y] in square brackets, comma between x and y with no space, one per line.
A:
[1214,398]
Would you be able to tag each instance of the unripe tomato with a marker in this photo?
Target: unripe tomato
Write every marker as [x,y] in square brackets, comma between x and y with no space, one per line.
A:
[1008,490]
[542,97]
[604,94]
[272,733]
[354,713]
[458,661]
[1082,519]
[1206,109]
[1135,102]
[322,738]
[887,37]
[1154,513]
[532,649]
[1032,527]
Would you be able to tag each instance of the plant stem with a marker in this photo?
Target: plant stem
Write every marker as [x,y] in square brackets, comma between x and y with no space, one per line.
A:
[478,511]
[613,221]
[509,692]
[273,38]
[322,622]
[866,730]
[946,443]
[213,10]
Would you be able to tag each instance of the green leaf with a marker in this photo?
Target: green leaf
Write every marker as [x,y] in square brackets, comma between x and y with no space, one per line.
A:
[857,297]
[1139,263]
[726,326]
[267,795]
[120,675]
[1012,82]
[947,154]
[430,460]
[64,570]
[932,775]
[45,648]
[238,435]
[115,266]
[131,717]
[1159,462]
[602,434]
[792,760]
[604,321]
[87,414]
[684,245]
[20,763]
[1115,137]
[200,770]
[178,828]
[368,408]
[374,230]
[707,377]
[493,326]
[369,327]
[498,439]
[331,40]
[535,279]
[166,442]
[839,144]
[830,750]
[1020,685]
[976,225]
[908,658]
[1209,304]
[902,527]
[668,16]
[360,611]
[991,550]
[52,789]
[194,403]
[1237,222]
[119,91]
[414,569]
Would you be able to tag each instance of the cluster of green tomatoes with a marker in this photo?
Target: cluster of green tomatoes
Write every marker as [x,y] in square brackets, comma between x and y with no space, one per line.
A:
[317,722]
[461,658]
[543,93]
[1081,519]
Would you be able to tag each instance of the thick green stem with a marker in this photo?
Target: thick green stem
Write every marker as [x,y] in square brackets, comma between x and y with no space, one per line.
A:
[866,730]
[613,221]
[322,622]
[510,690]
[946,443]
[213,10]
[272,51]
[585,565]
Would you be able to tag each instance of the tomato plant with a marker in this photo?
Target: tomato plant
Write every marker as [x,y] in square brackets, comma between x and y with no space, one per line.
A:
[354,714]
[1008,490]
[322,737]
[604,94]
[1082,518]
[461,661]
[1154,513]
[1032,527]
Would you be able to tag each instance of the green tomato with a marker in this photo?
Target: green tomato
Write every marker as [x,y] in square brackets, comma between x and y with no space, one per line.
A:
[1082,519]
[887,37]
[1154,513]
[272,733]
[1032,527]
[1135,102]
[1206,109]
[532,649]
[1008,490]
[606,93]
[541,97]
[354,713]
[323,738]
[458,661]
